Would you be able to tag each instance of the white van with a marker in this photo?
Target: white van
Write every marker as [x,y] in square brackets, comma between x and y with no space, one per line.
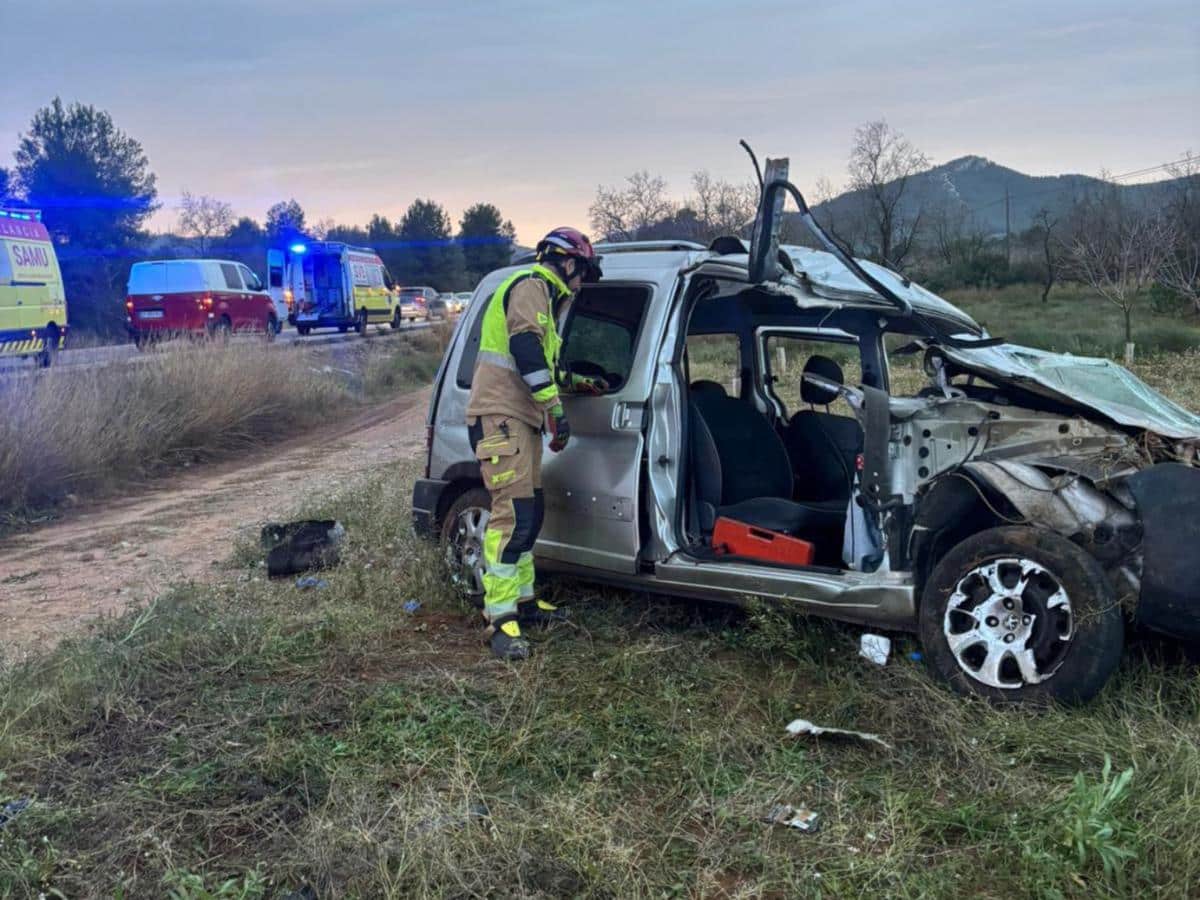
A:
[327,284]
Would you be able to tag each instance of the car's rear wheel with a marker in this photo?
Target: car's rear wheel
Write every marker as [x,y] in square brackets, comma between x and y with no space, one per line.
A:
[49,349]
[222,328]
[1018,614]
[462,542]
[360,324]
[397,320]
[272,328]
[302,330]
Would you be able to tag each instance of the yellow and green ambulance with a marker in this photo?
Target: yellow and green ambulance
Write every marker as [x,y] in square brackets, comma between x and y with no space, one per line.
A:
[33,306]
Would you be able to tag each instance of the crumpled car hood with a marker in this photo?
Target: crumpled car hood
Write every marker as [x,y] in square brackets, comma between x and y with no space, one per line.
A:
[1099,384]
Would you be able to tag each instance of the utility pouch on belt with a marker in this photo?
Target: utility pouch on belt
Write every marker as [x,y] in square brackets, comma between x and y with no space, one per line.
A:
[496,454]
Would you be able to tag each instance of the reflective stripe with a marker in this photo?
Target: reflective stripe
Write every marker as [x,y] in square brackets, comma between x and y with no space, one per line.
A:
[502,360]
[537,379]
[546,394]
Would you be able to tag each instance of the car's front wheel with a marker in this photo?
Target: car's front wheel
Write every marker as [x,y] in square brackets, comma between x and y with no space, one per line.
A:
[462,542]
[1021,613]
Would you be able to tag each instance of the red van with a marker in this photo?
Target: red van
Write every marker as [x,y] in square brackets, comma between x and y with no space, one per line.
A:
[197,297]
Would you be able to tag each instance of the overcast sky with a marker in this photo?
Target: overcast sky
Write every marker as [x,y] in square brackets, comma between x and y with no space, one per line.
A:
[360,107]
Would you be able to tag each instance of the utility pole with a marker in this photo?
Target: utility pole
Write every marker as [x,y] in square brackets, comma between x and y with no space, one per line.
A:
[1007,232]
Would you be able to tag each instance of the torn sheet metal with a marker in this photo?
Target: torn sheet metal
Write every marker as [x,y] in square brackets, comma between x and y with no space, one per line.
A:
[799,727]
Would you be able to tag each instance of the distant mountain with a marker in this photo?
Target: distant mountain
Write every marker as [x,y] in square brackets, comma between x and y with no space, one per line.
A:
[975,185]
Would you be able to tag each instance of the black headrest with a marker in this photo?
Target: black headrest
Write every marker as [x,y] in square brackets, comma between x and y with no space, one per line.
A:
[704,386]
[826,368]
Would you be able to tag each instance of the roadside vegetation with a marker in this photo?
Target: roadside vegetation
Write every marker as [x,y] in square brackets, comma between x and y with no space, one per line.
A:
[70,433]
[249,739]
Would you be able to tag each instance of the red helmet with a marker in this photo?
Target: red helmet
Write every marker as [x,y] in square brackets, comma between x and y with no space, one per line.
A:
[572,243]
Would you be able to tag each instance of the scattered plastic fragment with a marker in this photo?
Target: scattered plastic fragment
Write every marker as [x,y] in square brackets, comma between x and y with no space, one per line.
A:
[305,582]
[12,809]
[797,817]
[876,648]
[411,606]
[800,727]
[915,656]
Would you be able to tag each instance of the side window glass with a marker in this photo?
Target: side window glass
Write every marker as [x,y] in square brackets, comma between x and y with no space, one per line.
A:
[602,330]
[716,357]
[276,276]
[250,279]
[786,358]
[233,280]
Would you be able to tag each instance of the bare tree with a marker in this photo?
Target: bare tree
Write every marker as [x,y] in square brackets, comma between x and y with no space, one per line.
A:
[620,213]
[1043,226]
[204,218]
[1181,269]
[882,162]
[722,207]
[1119,253]
[843,221]
[322,227]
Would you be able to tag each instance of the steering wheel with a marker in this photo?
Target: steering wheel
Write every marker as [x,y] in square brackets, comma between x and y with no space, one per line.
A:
[853,396]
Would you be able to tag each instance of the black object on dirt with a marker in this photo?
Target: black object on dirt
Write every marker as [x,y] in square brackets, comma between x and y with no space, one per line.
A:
[294,547]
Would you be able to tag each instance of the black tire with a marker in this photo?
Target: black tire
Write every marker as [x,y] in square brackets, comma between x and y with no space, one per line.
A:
[397,321]
[302,330]
[272,329]
[342,329]
[49,351]
[1069,642]
[221,330]
[454,542]
[360,324]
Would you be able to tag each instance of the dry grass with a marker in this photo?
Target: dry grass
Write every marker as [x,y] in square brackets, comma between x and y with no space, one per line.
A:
[74,431]
[251,740]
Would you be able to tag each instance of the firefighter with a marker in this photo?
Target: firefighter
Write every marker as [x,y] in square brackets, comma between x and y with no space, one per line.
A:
[514,399]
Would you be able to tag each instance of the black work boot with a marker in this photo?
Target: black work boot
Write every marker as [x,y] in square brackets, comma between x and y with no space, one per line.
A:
[535,613]
[504,637]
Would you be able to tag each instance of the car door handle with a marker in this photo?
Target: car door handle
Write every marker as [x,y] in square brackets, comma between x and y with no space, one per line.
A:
[627,416]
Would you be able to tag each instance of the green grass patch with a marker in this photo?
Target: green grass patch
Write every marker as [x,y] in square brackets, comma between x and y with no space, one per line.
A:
[249,739]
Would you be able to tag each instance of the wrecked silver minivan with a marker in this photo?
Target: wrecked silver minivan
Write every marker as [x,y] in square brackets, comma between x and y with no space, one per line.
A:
[1017,511]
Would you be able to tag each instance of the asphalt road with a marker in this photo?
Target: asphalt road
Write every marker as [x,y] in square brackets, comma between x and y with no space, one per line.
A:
[90,357]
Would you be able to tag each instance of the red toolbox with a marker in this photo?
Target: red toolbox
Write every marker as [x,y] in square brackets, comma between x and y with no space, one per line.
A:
[739,539]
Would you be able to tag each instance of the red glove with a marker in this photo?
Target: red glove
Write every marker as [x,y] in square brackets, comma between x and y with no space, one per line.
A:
[585,384]
[558,428]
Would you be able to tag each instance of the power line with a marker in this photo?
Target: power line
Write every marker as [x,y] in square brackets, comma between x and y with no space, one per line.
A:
[1058,190]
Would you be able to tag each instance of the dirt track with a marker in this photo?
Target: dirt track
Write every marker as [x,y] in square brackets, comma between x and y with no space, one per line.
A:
[105,556]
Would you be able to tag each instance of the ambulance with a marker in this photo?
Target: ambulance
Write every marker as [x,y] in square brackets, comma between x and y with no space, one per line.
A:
[327,284]
[33,306]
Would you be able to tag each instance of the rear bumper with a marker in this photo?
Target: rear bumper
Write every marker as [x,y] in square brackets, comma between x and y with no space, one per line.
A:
[1168,495]
[427,496]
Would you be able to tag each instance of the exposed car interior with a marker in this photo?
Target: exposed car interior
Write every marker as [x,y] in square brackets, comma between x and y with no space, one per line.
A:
[766,449]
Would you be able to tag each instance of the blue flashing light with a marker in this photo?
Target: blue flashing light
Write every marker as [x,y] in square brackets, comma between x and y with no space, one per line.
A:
[299,248]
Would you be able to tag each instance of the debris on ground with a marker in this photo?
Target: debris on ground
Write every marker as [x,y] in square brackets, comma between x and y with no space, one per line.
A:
[798,817]
[295,547]
[800,727]
[12,809]
[876,648]
[411,606]
[915,656]
[305,582]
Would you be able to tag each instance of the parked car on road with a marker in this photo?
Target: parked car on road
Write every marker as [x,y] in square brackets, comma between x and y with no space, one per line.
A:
[33,306]
[214,297]
[1017,512]
[415,303]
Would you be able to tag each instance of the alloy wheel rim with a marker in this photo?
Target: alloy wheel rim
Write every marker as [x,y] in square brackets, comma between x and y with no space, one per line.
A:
[464,550]
[1009,623]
